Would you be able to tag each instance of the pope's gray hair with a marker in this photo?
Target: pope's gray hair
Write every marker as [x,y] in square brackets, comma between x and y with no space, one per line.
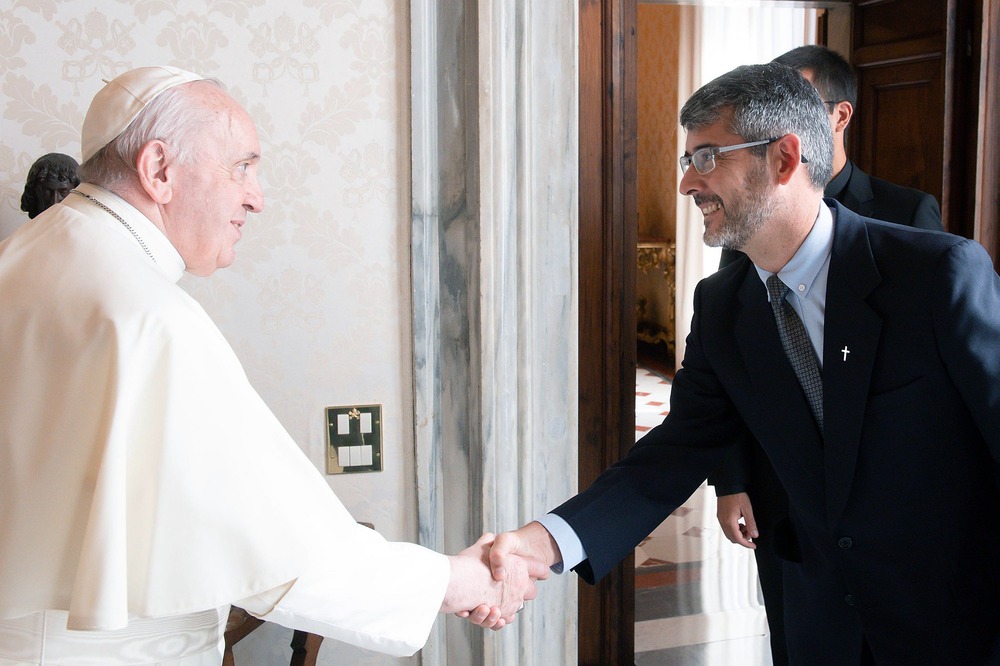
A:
[172,117]
[765,102]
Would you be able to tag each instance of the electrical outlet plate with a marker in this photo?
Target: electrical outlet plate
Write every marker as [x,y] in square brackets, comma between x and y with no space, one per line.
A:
[354,439]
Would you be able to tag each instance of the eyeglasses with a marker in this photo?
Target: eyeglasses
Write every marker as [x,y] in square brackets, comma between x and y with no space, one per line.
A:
[833,103]
[704,159]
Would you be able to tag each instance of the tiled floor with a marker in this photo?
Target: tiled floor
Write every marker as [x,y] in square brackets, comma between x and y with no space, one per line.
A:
[697,601]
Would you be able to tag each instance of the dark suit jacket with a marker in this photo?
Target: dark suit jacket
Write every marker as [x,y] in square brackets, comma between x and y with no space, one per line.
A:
[746,469]
[882,200]
[892,528]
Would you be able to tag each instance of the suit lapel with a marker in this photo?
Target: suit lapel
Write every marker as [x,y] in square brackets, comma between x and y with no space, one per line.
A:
[851,325]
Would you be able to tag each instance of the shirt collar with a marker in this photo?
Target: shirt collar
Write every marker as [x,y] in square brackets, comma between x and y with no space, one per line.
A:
[802,269]
[167,260]
[836,187]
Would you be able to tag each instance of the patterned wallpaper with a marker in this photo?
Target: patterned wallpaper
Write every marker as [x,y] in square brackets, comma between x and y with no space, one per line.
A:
[317,303]
[657,107]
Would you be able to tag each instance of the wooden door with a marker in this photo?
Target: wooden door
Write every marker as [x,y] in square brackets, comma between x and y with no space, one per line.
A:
[927,108]
[609,228]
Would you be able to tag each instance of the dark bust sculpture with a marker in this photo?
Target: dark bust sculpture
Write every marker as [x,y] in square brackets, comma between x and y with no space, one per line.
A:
[50,179]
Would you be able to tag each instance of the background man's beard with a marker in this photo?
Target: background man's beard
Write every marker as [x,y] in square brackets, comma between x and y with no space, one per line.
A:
[743,217]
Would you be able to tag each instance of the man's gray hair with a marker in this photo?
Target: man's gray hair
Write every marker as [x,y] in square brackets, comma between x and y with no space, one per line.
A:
[171,117]
[766,102]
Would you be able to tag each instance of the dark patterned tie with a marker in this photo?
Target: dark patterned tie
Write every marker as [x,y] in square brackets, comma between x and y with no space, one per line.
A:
[799,350]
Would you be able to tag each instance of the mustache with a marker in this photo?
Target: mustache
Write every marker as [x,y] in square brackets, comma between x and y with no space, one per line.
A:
[699,200]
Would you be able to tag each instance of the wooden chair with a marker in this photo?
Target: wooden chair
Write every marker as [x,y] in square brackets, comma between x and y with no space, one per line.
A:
[305,646]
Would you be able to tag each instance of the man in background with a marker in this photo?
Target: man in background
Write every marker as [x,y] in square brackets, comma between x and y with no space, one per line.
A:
[144,485]
[745,484]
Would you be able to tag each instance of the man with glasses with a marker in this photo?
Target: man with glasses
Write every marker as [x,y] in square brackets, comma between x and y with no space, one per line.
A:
[750,500]
[860,356]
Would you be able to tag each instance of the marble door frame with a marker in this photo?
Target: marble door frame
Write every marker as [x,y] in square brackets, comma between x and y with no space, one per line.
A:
[495,292]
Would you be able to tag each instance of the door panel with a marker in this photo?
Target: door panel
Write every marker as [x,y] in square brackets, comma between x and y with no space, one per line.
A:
[927,111]
[900,112]
[884,22]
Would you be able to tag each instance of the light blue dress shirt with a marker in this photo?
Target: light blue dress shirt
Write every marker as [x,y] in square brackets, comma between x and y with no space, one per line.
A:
[805,275]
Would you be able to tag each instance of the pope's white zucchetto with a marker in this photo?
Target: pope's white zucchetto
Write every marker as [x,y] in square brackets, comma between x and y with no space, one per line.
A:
[118,103]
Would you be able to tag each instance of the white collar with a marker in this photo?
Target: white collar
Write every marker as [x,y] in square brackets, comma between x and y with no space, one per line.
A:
[149,238]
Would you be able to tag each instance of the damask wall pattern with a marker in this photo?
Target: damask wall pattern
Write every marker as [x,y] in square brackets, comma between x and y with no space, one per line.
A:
[658,106]
[317,302]
[658,110]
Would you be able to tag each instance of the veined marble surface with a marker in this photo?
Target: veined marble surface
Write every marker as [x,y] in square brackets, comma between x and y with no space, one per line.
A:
[494,261]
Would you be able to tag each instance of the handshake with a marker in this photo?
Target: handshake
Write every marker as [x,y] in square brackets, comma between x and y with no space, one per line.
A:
[491,579]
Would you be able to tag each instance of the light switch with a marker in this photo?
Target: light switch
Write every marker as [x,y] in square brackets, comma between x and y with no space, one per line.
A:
[354,434]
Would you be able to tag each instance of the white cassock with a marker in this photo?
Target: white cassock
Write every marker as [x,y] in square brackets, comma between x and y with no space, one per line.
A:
[145,486]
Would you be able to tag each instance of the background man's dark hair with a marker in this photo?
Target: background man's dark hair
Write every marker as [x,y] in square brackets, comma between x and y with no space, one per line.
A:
[831,74]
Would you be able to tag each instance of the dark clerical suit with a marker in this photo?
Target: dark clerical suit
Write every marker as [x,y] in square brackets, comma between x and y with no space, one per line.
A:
[890,538]
[748,469]
[882,200]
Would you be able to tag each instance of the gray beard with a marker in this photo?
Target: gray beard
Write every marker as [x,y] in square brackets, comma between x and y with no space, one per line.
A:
[743,219]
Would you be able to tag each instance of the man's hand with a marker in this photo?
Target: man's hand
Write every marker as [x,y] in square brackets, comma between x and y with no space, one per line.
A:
[731,508]
[531,541]
[487,602]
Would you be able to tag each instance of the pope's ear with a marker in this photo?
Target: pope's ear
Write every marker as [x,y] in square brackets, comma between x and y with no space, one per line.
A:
[788,151]
[154,175]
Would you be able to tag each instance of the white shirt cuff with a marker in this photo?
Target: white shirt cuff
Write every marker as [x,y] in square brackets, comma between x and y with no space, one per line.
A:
[565,537]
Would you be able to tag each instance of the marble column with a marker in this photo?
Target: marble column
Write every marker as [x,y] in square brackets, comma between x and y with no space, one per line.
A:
[494,262]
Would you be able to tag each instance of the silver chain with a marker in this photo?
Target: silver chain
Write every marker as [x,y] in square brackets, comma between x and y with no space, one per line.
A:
[118,217]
